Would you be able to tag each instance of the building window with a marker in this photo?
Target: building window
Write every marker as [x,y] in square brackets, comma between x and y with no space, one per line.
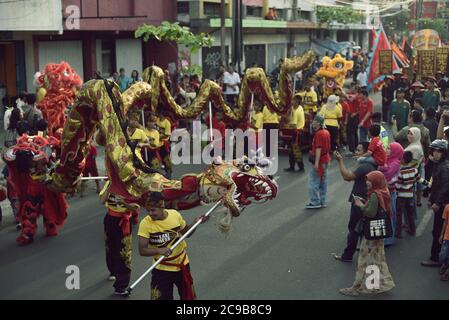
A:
[107,57]
[183,7]
[305,15]
[254,11]
[212,9]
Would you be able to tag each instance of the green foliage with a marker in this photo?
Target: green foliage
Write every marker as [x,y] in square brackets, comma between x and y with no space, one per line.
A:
[337,14]
[440,24]
[192,69]
[174,32]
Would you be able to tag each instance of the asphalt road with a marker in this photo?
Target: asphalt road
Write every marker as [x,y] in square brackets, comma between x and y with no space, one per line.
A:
[275,251]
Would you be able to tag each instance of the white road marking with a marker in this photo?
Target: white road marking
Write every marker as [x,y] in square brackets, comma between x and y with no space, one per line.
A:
[424,221]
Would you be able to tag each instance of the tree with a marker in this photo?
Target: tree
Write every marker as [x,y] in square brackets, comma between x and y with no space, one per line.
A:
[396,24]
[174,32]
[338,14]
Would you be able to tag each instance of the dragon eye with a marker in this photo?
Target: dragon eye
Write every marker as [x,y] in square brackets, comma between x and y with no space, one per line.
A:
[246,167]
[338,65]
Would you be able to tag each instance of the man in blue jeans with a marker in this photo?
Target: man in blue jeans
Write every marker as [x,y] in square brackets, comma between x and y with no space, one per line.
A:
[359,189]
[320,157]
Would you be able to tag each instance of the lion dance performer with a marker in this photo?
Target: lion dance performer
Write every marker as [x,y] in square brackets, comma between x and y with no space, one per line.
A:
[59,81]
[334,72]
[28,163]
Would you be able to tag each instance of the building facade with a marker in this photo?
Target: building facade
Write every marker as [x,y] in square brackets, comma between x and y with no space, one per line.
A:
[92,35]
[266,41]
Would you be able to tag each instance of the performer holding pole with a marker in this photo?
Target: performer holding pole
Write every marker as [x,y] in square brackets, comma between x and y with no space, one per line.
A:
[161,235]
[164,126]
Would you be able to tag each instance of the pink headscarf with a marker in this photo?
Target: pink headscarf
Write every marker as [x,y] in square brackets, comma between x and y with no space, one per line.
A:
[393,165]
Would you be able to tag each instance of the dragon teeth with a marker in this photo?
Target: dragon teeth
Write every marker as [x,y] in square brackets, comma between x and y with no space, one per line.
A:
[265,185]
[240,175]
[259,183]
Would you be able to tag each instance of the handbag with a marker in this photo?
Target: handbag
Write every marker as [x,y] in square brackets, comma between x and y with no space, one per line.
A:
[379,227]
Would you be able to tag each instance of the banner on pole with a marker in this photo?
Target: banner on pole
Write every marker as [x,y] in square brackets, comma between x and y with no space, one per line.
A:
[441,59]
[426,63]
[385,62]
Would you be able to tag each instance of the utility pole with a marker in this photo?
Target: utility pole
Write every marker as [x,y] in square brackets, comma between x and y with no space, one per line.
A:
[237,34]
[223,33]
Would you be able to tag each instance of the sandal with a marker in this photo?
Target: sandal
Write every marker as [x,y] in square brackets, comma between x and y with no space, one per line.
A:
[445,277]
[349,292]
[340,258]
[443,269]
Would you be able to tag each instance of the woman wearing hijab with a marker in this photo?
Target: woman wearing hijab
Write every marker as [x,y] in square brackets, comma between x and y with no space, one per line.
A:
[372,252]
[391,171]
[332,113]
[415,146]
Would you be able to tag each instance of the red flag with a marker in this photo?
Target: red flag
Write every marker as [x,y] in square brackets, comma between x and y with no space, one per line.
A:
[381,43]
[399,53]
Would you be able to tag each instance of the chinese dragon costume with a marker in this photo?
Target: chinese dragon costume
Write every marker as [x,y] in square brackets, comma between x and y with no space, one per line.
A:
[99,105]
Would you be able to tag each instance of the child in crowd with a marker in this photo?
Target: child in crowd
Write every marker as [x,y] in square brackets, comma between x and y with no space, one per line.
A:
[376,153]
[408,176]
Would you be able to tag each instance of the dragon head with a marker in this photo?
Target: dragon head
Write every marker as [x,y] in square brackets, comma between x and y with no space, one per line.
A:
[334,71]
[241,182]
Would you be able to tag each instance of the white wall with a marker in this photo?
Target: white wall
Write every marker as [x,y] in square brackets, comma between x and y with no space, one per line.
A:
[57,51]
[39,15]
[129,55]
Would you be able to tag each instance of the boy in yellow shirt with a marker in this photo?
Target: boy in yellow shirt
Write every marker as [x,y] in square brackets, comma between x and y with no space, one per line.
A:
[257,123]
[296,123]
[136,134]
[151,152]
[157,233]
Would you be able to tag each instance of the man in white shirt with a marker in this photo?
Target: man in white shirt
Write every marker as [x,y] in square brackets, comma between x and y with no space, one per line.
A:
[362,79]
[231,80]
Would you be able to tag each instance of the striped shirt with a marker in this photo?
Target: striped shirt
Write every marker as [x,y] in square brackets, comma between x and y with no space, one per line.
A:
[407,178]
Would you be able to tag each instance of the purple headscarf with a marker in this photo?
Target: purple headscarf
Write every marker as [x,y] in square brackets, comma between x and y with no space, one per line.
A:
[393,165]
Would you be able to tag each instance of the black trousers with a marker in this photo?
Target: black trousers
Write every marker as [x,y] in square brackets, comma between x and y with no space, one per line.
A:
[353,138]
[353,235]
[118,252]
[405,206]
[268,127]
[436,233]
[335,133]
[385,109]
[162,283]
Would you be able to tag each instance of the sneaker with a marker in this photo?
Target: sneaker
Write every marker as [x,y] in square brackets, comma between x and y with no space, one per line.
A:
[121,292]
[289,169]
[111,277]
[313,206]
[18,226]
[324,205]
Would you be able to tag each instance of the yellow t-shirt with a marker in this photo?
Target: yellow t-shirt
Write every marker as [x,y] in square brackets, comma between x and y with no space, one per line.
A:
[154,138]
[165,127]
[310,101]
[164,233]
[139,135]
[297,118]
[269,117]
[257,119]
[331,116]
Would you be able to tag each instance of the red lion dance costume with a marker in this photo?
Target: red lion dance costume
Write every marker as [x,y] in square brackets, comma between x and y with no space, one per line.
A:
[59,81]
[28,163]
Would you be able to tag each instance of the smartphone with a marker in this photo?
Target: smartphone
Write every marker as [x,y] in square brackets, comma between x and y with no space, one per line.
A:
[357,197]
